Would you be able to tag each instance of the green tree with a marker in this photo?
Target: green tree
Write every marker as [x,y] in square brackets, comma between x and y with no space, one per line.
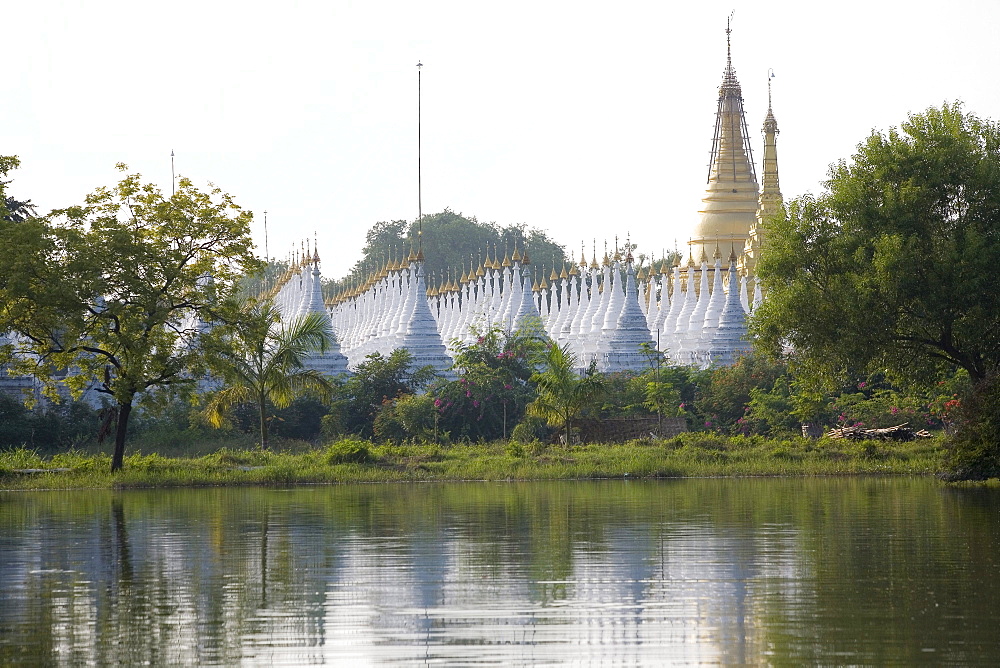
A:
[492,389]
[450,242]
[724,393]
[13,210]
[563,393]
[112,290]
[262,361]
[378,380]
[893,267]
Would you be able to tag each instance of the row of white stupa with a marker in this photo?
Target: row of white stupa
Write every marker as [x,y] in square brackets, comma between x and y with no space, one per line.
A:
[697,315]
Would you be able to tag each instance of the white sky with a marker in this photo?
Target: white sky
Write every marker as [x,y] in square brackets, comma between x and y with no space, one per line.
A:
[584,119]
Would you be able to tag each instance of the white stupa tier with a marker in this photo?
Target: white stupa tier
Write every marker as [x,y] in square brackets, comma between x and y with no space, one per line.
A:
[302,294]
[611,315]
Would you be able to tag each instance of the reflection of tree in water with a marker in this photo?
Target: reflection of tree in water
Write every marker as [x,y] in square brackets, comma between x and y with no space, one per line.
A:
[796,567]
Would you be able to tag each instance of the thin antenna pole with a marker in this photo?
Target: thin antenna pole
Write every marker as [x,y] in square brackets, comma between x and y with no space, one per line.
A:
[420,203]
[267,256]
[173,179]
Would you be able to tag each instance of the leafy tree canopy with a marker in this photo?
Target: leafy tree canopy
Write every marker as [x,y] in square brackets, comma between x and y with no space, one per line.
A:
[451,242]
[112,289]
[562,393]
[378,380]
[893,267]
[12,210]
[262,360]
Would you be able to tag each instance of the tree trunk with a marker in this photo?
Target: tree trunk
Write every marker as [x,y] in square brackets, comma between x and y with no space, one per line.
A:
[121,429]
[263,422]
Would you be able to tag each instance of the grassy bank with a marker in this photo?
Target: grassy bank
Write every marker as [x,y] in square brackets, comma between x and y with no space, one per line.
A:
[691,455]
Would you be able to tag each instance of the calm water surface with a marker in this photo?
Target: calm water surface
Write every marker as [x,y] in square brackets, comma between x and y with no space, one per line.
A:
[767,571]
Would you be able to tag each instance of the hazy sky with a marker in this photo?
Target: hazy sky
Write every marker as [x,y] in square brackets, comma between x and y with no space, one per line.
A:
[584,119]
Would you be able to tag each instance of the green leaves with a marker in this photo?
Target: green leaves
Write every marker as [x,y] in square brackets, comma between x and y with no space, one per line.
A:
[562,393]
[113,289]
[892,268]
[262,360]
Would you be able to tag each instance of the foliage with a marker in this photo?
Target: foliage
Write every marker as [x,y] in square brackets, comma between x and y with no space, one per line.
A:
[377,380]
[891,269]
[55,428]
[113,289]
[262,360]
[562,393]
[974,452]
[302,419]
[493,385]
[691,454]
[13,210]
[624,394]
[530,429]
[724,395]
[349,451]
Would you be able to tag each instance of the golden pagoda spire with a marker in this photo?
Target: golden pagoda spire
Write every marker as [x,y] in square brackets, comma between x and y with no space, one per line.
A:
[770,200]
[729,205]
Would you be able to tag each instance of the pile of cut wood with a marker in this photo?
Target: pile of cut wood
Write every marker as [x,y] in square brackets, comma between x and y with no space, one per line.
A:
[901,432]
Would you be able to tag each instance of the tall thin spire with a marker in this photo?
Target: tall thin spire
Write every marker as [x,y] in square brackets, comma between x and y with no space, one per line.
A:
[729,49]
[267,256]
[769,202]
[420,190]
[730,201]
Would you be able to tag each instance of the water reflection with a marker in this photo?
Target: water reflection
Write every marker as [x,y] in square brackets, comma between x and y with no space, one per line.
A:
[701,571]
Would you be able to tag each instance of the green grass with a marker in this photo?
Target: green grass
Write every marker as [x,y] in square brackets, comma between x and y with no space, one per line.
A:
[689,455]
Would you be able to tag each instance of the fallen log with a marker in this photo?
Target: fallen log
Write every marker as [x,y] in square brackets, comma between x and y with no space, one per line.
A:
[901,432]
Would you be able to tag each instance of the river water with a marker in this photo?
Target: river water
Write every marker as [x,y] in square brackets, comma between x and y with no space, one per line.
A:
[720,571]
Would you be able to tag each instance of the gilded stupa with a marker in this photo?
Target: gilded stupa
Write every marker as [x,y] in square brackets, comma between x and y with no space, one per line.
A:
[729,205]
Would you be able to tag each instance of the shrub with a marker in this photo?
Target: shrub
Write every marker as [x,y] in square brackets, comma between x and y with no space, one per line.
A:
[530,429]
[974,451]
[349,451]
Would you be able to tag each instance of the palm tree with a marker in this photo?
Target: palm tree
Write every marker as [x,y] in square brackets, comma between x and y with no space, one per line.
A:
[262,360]
[562,393]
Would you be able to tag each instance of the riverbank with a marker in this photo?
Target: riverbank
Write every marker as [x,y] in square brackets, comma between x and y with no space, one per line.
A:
[690,455]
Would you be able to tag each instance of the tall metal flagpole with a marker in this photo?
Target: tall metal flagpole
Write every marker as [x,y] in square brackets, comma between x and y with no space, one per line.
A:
[420,203]
[173,179]
[267,256]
